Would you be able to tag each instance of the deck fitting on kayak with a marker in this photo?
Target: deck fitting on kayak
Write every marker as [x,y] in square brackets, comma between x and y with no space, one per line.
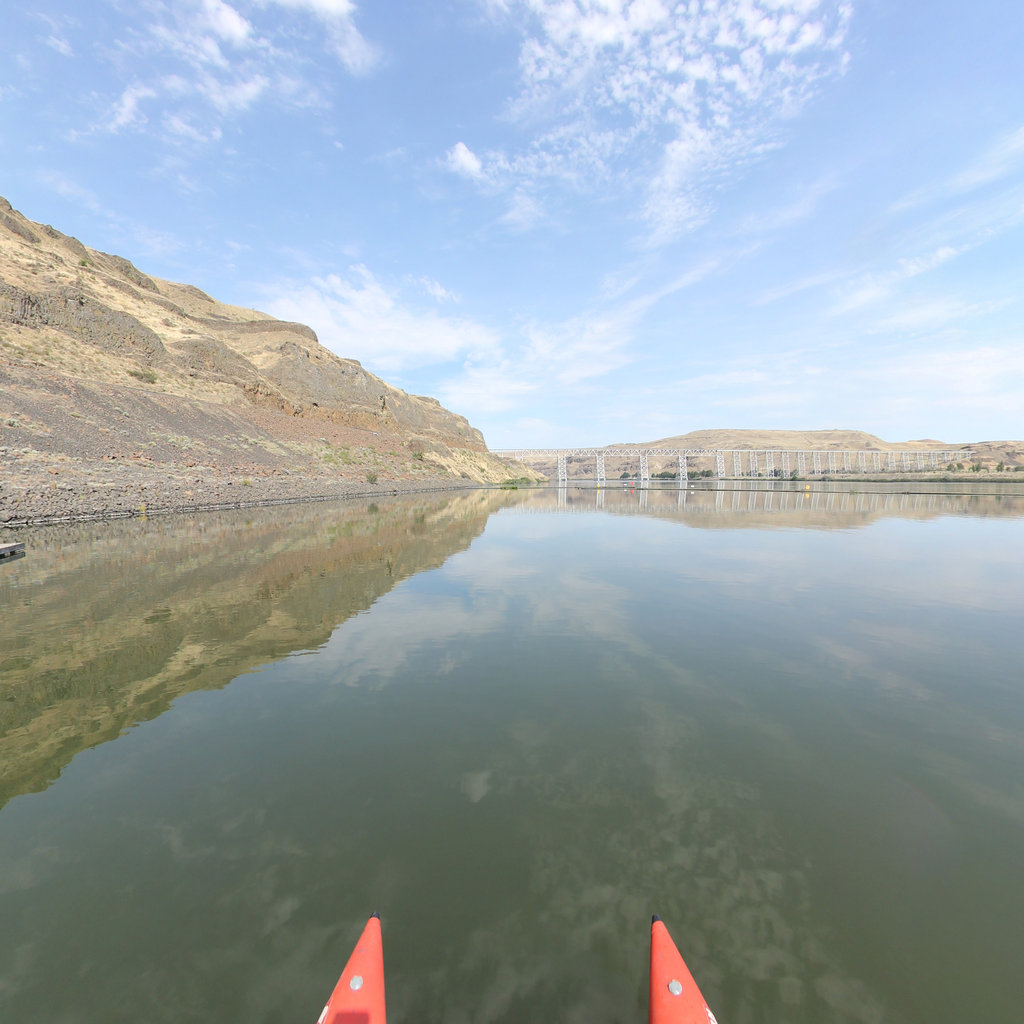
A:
[675,987]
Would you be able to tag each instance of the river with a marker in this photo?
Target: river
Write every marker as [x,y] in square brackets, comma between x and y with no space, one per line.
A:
[517,723]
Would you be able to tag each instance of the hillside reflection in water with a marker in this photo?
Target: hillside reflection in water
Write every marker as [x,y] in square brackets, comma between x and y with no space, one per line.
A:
[516,735]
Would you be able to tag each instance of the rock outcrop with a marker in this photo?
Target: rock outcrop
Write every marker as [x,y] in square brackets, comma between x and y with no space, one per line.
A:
[100,361]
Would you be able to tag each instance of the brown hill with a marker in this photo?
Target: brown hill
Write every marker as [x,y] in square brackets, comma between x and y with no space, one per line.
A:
[989,453]
[100,362]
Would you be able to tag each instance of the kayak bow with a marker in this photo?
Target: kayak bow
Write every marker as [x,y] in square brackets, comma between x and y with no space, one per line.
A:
[674,996]
[358,998]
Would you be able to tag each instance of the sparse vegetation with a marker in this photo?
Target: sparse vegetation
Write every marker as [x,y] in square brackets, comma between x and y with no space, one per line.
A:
[146,376]
[335,455]
[371,477]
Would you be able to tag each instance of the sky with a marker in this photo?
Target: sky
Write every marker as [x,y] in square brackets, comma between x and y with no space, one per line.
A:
[574,222]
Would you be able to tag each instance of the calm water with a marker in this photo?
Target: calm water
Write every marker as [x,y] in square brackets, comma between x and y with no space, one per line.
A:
[517,724]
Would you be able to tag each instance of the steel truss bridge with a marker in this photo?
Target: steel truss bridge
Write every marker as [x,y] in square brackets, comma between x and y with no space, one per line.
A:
[745,462]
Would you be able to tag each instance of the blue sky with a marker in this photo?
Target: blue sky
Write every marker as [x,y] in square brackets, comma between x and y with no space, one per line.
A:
[574,222]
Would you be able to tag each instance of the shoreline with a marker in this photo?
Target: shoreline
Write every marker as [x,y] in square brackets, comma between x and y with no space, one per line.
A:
[34,492]
[95,491]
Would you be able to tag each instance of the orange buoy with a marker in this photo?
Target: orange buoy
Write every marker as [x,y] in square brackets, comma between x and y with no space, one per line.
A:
[358,998]
[674,996]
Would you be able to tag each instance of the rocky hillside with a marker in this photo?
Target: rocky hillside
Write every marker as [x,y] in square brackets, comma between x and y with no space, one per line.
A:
[101,363]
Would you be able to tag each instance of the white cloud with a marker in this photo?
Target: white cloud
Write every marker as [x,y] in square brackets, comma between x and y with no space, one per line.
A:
[564,359]
[524,212]
[935,314]
[496,388]
[358,317]
[240,94]
[800,209]
[203,61]
[871,288]
[436,290]
[127,112]
[1005,156]
[174,124]
[462,160]
[326,9]
[355,52]
[226,22]
[72,191]
[60,44]
[970,384]
[690,93]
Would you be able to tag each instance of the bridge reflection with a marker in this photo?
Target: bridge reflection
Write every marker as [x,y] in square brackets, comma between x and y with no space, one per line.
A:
[723,503]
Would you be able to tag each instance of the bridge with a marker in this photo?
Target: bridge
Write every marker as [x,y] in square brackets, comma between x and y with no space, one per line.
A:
[743,462]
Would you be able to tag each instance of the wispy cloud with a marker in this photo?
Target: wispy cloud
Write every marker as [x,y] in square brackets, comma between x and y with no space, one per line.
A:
[141,237]
[357,316]
[199,62]
[564,360]
[800,209]
[68,189]
[60,44]
[1002,158]
[127,111]
[958,384]
[524,211]
[871,288]
[694,92]
[935,314]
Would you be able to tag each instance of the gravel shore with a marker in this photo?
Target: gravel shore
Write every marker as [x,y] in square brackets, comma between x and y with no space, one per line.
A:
[68,491]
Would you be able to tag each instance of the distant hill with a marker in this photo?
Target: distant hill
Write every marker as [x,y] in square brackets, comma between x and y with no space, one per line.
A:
[989,453]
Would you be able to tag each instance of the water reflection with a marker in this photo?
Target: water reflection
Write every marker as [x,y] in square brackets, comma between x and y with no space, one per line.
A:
[105,624]
[802,747]
[762,504]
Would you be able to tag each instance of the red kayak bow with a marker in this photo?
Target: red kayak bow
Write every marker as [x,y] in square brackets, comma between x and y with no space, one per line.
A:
[674,996]
[358,998]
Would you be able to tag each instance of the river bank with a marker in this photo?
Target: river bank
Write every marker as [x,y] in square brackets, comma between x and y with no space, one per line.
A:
[34,492]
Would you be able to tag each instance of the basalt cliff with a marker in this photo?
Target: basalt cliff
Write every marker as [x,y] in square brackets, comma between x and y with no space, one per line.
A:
[121,391]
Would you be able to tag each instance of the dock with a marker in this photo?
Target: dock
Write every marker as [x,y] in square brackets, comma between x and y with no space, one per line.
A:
[15,550]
